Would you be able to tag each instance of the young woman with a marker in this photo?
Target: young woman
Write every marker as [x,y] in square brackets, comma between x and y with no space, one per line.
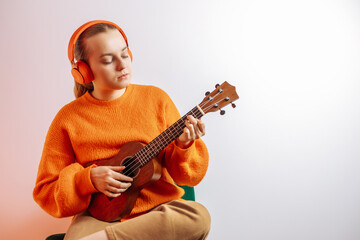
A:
[109,112]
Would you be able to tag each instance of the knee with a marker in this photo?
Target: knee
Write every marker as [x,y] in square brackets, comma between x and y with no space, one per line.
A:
[199,220]
[203,219]
[191,220]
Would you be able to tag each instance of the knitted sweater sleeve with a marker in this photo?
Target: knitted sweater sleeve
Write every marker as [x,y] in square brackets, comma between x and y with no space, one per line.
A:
[63,187]
[186,166]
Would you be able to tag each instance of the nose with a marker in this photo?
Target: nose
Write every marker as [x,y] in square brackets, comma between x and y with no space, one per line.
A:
[120,64]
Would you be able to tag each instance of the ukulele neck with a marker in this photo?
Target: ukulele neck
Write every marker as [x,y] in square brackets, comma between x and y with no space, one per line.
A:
[153,149]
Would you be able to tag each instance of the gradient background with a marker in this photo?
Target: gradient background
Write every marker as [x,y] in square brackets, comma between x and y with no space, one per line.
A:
[284,164]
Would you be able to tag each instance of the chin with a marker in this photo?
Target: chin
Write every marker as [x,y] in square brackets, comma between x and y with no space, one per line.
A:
[123,84]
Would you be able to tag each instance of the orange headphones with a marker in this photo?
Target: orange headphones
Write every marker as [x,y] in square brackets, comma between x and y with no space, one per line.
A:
[80,70]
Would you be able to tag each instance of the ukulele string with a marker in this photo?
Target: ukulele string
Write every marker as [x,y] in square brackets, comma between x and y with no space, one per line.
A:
[135,165]
[215,105]
[146,152]
[153,146]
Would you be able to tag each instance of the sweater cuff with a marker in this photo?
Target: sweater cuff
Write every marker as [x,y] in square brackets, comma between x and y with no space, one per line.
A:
[184,152]
[190,145]
[84,183]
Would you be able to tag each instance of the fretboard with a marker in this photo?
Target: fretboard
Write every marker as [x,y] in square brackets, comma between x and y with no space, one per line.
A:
[152,149]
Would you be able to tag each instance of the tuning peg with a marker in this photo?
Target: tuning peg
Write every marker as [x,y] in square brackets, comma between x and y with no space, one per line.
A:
[217,85]
[233,105]
[207,93]
[227,99]
[222,112]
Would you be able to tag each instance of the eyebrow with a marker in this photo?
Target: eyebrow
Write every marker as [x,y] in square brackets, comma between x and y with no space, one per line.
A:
[110,54]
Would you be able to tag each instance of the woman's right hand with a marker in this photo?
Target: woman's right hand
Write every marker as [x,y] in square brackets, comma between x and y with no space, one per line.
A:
[109,180]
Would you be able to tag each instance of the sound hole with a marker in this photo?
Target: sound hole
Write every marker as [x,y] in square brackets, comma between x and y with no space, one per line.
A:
[131,167]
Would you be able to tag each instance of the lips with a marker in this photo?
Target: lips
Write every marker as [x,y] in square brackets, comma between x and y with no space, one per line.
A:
[122,76]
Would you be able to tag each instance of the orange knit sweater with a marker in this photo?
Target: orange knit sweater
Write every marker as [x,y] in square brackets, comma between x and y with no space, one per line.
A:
[88,129]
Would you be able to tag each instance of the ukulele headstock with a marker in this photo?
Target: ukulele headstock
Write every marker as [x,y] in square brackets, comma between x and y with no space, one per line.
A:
[223,95]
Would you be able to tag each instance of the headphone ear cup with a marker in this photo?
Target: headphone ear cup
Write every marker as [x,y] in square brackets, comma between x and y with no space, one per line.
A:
[82,73]
[77,75]
[130,54]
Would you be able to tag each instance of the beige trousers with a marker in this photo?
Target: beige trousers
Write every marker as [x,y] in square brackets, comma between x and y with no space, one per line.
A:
[173,220]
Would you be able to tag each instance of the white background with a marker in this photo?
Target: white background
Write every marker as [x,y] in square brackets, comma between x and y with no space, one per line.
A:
[284,164]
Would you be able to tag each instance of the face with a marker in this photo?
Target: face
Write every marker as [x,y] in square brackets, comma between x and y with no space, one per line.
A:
[109,61]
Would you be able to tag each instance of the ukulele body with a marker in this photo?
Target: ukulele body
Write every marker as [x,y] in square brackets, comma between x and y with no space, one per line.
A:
[112,209]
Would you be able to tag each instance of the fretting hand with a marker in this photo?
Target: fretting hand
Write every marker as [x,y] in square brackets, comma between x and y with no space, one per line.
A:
[109,180]
[194,129]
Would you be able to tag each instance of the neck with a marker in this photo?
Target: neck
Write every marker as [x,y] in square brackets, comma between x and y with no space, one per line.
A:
[108,95]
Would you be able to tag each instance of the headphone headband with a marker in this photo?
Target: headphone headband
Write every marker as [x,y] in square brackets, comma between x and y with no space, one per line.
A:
[81,29]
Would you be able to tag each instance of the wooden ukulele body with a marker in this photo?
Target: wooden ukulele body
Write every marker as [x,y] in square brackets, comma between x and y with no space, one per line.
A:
[112,209]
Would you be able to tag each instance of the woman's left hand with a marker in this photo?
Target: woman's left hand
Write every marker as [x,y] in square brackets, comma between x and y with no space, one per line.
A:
[194,129]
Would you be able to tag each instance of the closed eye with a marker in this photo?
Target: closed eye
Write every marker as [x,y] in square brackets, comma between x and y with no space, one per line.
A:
[107,59]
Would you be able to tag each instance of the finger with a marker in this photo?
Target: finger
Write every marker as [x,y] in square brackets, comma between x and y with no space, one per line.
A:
[112,195]
[185,135]
[200,129]
[191,128]
[121,177]
[201,126]
[116,190]
[117,168]
[118,184]
[192,119]
[113,190]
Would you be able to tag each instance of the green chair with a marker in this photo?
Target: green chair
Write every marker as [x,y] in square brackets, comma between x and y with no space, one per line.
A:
[189,195]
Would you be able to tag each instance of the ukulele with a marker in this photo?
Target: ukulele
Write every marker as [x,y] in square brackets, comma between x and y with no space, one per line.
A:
[140,160]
